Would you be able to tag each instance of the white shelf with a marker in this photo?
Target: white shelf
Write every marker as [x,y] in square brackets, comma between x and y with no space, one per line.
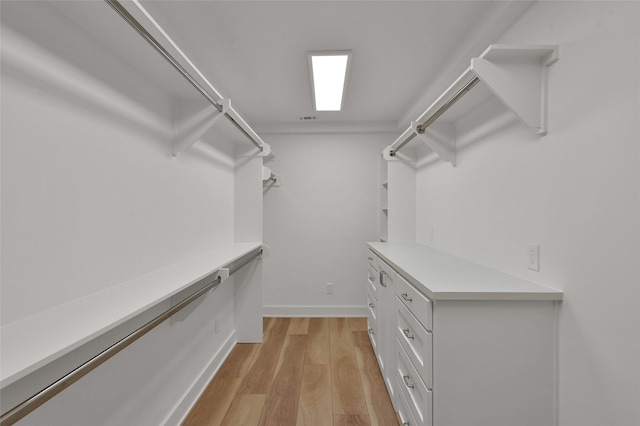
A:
[442,276]
[36,341]
[516,75]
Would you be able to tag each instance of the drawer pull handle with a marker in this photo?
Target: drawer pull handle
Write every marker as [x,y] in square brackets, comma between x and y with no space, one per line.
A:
[406,382]
[406,424]
[406,297]
[406,333]
[371,305]
[371,331]
[370,258]
[382,274]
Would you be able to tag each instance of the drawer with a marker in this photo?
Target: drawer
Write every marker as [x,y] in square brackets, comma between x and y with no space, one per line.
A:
[416,341]
[372,279]
[372,308]
[373,335]
[416,302]
[418,397]
[406,417]
[373,260]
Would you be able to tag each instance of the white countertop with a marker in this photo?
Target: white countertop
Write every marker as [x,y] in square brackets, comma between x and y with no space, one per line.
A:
[33,342]
[442,276]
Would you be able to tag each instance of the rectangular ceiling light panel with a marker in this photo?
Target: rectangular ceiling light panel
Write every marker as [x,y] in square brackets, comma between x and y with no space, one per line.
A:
[329,77]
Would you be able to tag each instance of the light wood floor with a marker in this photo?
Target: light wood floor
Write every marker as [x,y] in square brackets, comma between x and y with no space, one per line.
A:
[308,371]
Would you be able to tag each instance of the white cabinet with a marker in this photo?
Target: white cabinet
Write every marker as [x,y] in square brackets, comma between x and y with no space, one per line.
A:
[467,345]
[373,306]
[382,328]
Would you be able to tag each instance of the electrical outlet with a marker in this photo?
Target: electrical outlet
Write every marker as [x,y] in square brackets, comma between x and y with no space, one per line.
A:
[533,256]
[329,287]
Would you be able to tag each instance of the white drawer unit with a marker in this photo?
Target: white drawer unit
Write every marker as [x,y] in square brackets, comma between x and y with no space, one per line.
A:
[416,341]
[381,295]
[416,302]
[417,396]
[471,345]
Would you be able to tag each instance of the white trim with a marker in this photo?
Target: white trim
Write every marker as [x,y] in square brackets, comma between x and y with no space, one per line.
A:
[179,412]
[315,311]
[325,127]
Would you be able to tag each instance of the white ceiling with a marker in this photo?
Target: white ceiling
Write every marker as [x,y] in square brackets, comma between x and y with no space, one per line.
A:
[255,52]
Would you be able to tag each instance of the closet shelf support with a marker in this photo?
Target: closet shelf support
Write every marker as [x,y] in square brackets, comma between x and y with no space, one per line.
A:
[269,178]
[188,133]
[516,75]
[230,114]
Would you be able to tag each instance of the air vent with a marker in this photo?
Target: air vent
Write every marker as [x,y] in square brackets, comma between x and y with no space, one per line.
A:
[307,117]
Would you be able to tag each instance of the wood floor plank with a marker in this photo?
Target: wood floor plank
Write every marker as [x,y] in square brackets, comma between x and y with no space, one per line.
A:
[352,420]
[298,326]
[238,362]
[266,322]
[348,395]
[315,406]
[245,410]
[329,376]
[318,342]
[281,406]
[379,404]
[213,403]
[260,375]
[358,324]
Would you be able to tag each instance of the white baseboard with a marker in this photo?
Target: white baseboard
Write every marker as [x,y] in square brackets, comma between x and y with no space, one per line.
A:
[186,403]
[315,311]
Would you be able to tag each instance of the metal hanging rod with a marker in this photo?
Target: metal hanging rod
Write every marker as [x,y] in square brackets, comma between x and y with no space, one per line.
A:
[133,22]
[18,412]
[422,127]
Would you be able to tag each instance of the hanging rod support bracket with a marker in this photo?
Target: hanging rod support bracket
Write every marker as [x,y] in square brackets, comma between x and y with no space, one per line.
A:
[231,115]
[440,138]
[223,274]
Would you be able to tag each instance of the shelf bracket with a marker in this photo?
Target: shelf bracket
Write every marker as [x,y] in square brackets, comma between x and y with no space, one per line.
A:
[193,122]
[269,178]
[518,77]
[266,150]
[440,137]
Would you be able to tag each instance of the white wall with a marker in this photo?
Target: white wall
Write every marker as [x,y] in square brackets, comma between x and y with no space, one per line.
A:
[90,194]
[318,221]
[91,197]
[575,192]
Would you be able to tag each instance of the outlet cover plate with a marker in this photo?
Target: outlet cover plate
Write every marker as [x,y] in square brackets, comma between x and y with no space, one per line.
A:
[533,256]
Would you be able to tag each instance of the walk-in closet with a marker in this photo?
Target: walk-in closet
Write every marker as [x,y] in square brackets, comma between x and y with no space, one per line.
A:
[288,213]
